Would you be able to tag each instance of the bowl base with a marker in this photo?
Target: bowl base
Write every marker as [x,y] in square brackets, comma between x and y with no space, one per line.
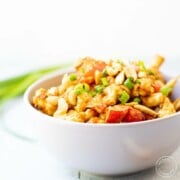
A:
[82,175]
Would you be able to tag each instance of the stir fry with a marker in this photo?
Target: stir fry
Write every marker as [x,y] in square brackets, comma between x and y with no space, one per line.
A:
[110,92]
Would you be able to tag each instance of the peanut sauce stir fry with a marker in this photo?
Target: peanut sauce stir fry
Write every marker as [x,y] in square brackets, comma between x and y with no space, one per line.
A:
[110,92]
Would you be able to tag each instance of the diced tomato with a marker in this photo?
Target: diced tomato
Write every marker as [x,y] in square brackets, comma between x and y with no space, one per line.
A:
[134,115]
[100,65]
[148,117]
[122,113]
[117,114]
[156,86]
[88,76]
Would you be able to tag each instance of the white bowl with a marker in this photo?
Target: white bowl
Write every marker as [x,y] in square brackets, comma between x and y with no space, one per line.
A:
[104,149]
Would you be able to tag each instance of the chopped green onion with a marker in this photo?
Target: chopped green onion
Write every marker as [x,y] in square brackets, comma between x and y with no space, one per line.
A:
[129,83]
[120,62]
[131,78]
[86,87]
[124,97]
[78,89]
[165,90]
[138,81]
[150,72]
[99,88]
[72,77]
[104,81]
[92,93]
[141,65]
[136,99]
[104,72]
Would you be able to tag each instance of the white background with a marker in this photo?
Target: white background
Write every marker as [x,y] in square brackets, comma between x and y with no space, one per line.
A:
[39,32]
[53,31]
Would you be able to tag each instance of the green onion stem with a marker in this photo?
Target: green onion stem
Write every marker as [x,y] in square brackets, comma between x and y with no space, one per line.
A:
[10,81]
[129,83]
[20,88]
[124,97]
[15,86]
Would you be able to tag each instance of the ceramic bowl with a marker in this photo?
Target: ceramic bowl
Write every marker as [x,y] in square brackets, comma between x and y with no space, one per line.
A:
[104,149]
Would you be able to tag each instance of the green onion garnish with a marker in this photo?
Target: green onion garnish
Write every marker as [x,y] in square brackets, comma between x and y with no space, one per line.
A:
[104,81]
[72,77]
[92,93]
[104,72]
[80,88]
[165,90]
[141,65]
[129,83]
[124,97]
[150,72]
[136,99]
[138,81]
[99,88]
[86,87]
[120,62]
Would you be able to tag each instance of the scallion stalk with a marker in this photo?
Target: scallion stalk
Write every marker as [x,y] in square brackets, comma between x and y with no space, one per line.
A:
[15,86]
[124,97]
[104,81]
[166,90]
[129,83]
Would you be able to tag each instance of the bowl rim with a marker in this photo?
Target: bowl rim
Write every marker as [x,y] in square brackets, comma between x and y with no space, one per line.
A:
[49,76]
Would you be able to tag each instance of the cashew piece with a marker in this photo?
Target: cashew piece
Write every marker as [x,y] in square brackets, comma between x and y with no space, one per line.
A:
[145,109]
[153,100]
